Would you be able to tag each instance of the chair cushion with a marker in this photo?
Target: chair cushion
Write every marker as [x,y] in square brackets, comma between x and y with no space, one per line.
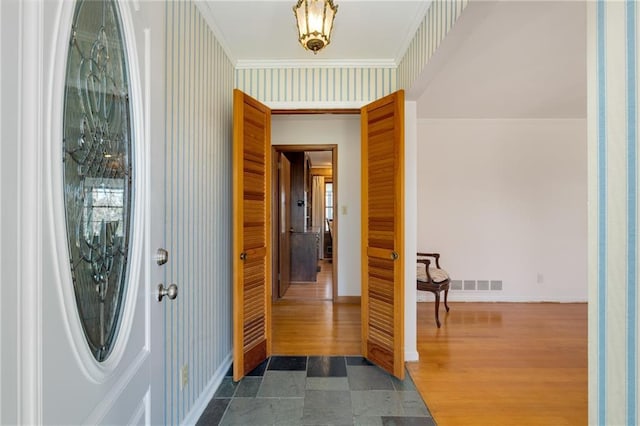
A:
[437,275]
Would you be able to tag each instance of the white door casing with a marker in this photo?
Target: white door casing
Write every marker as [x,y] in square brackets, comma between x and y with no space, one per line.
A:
[59,380]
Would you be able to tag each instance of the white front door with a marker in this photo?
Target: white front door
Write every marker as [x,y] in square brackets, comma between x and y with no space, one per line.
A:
[63,378]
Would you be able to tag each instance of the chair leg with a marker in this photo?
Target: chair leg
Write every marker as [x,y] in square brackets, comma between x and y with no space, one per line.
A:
[446,293]
[437,307]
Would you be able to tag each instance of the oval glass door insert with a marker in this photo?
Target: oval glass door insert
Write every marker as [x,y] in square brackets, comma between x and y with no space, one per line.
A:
[98,171]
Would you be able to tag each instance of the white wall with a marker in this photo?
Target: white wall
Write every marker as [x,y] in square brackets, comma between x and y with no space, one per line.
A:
[506,200]
[344,131]
[410,224]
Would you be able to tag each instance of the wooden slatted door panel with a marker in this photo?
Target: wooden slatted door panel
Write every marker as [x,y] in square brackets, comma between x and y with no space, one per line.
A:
[383,233]
[251,234]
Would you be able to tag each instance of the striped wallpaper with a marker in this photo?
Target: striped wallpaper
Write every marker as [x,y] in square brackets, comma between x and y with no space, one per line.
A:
[440,17]
[359,84]
[198,111]
[613,212]
[316,84]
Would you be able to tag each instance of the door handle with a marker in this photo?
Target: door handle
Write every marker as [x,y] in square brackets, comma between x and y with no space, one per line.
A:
[171,292]
[243,256]
[394,255]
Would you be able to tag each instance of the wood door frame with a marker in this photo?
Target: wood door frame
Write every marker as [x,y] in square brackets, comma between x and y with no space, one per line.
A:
[278,178]
[275,211]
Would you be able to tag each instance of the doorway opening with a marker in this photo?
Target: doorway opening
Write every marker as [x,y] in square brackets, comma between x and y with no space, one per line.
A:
[304,194]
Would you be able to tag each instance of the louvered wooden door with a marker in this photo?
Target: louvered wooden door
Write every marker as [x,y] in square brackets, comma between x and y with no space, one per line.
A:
[383,232]
[251,234]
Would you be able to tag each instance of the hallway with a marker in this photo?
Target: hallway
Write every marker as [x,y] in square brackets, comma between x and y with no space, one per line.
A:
[320,290]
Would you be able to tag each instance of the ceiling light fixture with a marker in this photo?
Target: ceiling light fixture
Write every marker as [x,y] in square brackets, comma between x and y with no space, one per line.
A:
[315,22]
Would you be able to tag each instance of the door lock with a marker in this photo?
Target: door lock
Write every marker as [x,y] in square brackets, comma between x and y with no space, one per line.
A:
[161,257]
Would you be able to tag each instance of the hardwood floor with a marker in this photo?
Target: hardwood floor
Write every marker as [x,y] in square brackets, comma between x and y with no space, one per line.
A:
[320,290]
[500,363]
[315,328]
[489,364]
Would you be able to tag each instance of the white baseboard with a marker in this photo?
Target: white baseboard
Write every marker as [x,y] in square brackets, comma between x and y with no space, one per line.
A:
[491,296]
[411,356]
[201,403]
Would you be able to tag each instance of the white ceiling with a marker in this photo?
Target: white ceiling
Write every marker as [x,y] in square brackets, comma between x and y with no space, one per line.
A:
[502,59]
[320,158]
[368,31]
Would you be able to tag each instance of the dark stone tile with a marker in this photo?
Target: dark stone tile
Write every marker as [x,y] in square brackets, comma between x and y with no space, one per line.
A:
[327,383]
[259,370]
[288,363]
[229,371]
[318,390]
[213,413]
[283,384]
[248,387]
[403,385]
[407,421]
[376,403]
[368,378]
[365,420]
[226,389]
[412,404]
[357,360]
[326,366]
[264,411]
[327,408]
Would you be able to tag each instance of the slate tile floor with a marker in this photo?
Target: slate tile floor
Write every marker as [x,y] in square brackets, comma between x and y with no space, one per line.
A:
[317,390]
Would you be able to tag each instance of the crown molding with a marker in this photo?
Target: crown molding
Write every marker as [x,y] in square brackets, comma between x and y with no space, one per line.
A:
[314,63]
[205,8]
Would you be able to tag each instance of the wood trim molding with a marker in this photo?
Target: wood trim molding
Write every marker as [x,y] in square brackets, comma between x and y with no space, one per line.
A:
[351,300]
[322,171]
[315,111]
[334,150]
[336,222]
[298,148]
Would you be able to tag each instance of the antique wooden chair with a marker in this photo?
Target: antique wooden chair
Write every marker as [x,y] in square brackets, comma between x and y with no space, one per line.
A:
[432,278]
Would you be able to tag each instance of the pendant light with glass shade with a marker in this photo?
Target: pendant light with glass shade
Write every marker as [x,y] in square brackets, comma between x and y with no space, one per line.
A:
[315,22]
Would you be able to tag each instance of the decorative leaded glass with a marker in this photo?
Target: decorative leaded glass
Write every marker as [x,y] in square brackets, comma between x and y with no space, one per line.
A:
[97,169]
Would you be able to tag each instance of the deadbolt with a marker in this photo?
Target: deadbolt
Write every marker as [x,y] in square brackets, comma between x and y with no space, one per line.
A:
[161,257]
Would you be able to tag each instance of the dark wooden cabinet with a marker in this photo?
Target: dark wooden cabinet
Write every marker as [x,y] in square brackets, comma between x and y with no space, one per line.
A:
[304,256]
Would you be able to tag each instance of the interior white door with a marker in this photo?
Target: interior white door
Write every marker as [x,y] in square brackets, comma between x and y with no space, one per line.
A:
[72,385]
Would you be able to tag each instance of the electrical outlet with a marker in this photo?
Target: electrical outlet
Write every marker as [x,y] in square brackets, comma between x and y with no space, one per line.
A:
[184,376]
